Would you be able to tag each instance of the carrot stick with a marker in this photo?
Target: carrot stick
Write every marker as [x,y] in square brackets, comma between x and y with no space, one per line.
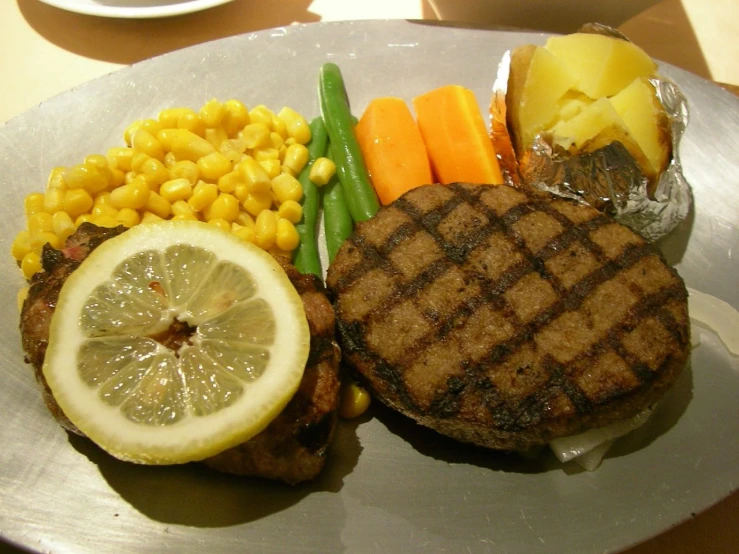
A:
[456,138]
[393,148]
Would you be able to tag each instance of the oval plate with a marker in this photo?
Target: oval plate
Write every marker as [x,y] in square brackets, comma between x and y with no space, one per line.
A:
[389,485]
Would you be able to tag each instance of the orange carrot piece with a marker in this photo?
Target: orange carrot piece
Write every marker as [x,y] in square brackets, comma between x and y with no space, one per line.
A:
[457,141]
[393,148]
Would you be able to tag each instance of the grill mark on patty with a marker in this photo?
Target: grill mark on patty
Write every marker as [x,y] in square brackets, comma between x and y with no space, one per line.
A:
[447,402]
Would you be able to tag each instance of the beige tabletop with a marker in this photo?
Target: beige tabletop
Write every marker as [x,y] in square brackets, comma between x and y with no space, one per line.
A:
[46,51]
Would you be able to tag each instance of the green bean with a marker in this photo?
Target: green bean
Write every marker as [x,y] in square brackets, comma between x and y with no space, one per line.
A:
[337,221]
[361,198]
[307,259]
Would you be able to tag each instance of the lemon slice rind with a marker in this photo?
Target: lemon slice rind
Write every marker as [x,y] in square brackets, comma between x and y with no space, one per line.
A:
[195,437]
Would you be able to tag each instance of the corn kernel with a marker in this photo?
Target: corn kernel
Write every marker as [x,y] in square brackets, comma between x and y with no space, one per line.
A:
[265,228]
[354,401]
[164,136]
[88,177]
[256,203]
[130,131]
[40,222]
[150,217]
[169,117]
[83,218]
[233,144]
[256,135]
[102,198]
[290,210]
[272,167]
[145,142]
[186,169]
[216,136]
[213,166]
[286,170]
[138,160]
[129,177]
[105,221]
[21,297]
[117,178]
[187,145]
[98,160]
[277,139]
[30,264]
[154,172]
[57,178]
[222,224]
[21,245]
[287,237]
[158,206]
[240,191]
[38,240]
[261,114]
[104,209]
[128,217]
[266,153]
[321,172]
[151,125]
[184,217]
[244,219]
[203,195]
[254,176]
[229,181]
[244,233]
[33,203]
[296,125]
[63,225]
[134,195]
[170,160]
[190,121]
[286,187]
[225,207]
[212,112]
[296,156]
[120,157]
[176,189]
[236,117]
[181,207]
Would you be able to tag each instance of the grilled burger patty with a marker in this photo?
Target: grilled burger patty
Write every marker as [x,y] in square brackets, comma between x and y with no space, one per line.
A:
[505,317]
[294,445]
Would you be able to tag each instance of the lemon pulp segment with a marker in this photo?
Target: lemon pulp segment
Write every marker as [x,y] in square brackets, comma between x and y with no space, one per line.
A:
[174,341]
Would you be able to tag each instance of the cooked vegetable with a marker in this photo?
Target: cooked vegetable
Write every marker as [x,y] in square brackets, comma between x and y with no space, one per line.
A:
[224,164]
[360,196]
[307,259]
[393,148]
[456,138]
[602,65]
[587,91]
[337,219]
[354,400]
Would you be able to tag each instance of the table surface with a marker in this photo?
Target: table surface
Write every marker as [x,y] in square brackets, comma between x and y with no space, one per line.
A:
[47,51]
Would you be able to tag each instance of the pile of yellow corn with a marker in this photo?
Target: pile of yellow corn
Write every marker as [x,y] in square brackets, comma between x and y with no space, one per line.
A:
[227,165]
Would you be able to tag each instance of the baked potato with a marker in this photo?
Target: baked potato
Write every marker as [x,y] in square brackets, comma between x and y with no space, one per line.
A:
[584,91]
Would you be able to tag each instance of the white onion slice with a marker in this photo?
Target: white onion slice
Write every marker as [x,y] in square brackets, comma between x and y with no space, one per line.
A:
[572,447]
[721,317]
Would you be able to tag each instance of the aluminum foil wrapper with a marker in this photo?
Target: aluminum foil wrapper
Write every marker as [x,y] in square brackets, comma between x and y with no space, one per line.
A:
[609,178]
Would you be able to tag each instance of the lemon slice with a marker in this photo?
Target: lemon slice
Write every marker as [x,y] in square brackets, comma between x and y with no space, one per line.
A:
[174,341]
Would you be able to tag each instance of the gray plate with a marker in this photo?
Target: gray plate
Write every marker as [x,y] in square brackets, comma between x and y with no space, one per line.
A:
[389,486]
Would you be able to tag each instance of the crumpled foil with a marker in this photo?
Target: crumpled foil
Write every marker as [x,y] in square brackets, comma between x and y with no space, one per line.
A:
[609,178]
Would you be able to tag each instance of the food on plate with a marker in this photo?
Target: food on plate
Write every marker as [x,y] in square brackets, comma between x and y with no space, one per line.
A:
[393,148]
[507,317]
[456,137]
[225,164]
[581,92]
[175,341]
[360,196]
[307,259]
